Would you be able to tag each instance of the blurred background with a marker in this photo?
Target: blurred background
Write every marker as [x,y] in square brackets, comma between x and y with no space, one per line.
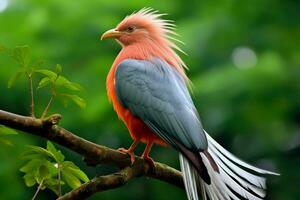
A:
[244,60]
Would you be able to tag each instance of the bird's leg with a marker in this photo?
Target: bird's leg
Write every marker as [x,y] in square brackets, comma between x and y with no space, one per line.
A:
[130,151]
[146,156]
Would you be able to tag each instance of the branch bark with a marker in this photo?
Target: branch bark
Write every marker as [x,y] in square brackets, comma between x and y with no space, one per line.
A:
[103,183]
[93,154]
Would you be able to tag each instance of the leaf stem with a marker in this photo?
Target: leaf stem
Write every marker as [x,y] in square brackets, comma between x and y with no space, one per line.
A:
[31,95]
[59,179]
[47,107]
[38,190]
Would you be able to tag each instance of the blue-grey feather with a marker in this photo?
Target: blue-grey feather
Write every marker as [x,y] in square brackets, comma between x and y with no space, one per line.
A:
[156,93]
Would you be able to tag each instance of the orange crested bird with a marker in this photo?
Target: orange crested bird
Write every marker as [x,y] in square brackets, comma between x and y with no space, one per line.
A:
[148,88]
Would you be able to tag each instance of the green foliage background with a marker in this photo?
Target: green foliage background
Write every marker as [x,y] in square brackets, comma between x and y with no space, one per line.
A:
[253,112]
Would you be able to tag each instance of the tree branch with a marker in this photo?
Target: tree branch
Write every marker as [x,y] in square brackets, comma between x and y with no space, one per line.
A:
[103,183]
[93,154]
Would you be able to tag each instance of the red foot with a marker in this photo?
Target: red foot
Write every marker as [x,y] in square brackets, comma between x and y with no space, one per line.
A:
[150,161]
[129,152]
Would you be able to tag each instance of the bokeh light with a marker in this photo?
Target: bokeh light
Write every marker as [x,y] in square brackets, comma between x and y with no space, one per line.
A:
[3,5]
[244,57]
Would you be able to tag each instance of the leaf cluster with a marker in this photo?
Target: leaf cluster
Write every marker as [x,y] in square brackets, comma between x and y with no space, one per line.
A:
[49,169]
[58,85]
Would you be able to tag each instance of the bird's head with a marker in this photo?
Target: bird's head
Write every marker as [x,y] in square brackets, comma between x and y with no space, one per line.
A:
[152,35]
[142,26]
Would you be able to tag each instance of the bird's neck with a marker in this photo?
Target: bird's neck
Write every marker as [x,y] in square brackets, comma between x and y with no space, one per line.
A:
[134,51]
[146,51]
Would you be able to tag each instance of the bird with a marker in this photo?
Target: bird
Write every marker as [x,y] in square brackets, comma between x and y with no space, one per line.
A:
[150,92]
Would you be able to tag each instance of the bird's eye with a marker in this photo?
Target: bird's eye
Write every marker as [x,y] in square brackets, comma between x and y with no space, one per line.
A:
[130,29]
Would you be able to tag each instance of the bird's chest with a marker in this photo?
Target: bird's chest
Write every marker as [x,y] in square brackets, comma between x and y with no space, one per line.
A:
[123,113]
[133,123]
[137,128]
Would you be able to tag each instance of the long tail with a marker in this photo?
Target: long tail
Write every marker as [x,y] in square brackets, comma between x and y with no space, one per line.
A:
[234,180]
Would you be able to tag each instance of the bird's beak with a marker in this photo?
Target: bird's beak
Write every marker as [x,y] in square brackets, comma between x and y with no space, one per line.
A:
[112,33]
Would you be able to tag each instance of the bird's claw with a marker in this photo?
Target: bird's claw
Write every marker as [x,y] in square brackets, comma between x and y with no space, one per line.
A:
[130,153]
[150,161]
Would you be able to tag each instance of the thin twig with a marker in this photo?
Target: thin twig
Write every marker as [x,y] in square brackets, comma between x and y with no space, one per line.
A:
[32,113]
[59,179]
[47,108]
[38,190]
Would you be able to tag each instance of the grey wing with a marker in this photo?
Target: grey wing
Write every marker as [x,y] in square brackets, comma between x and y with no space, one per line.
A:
[156,93]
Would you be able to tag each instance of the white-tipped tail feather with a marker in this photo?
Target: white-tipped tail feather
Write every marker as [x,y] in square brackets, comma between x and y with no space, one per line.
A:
[234,180]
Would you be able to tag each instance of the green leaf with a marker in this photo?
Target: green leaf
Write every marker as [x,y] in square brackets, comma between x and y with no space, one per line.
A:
[58,156]
[32,165]
[29,180]
[61,81]
[53,168]
[73,86]
[41,151]
[43,171]
[70,179]
[58,69]
[69,164]
[6,142]
[76,99]
[52,75]
[79,174]
[29,155]
[14,78]
[64,82]
[44,82]
[53,184]
[22,55]
[41,167]
[53,181]
[38,64]
[7,131]
[64,101]
[72,168]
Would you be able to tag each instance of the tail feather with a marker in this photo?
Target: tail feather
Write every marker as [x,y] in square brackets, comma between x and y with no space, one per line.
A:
[202,184]
[240,180]
[233,158]
[189,175]
[234,179]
